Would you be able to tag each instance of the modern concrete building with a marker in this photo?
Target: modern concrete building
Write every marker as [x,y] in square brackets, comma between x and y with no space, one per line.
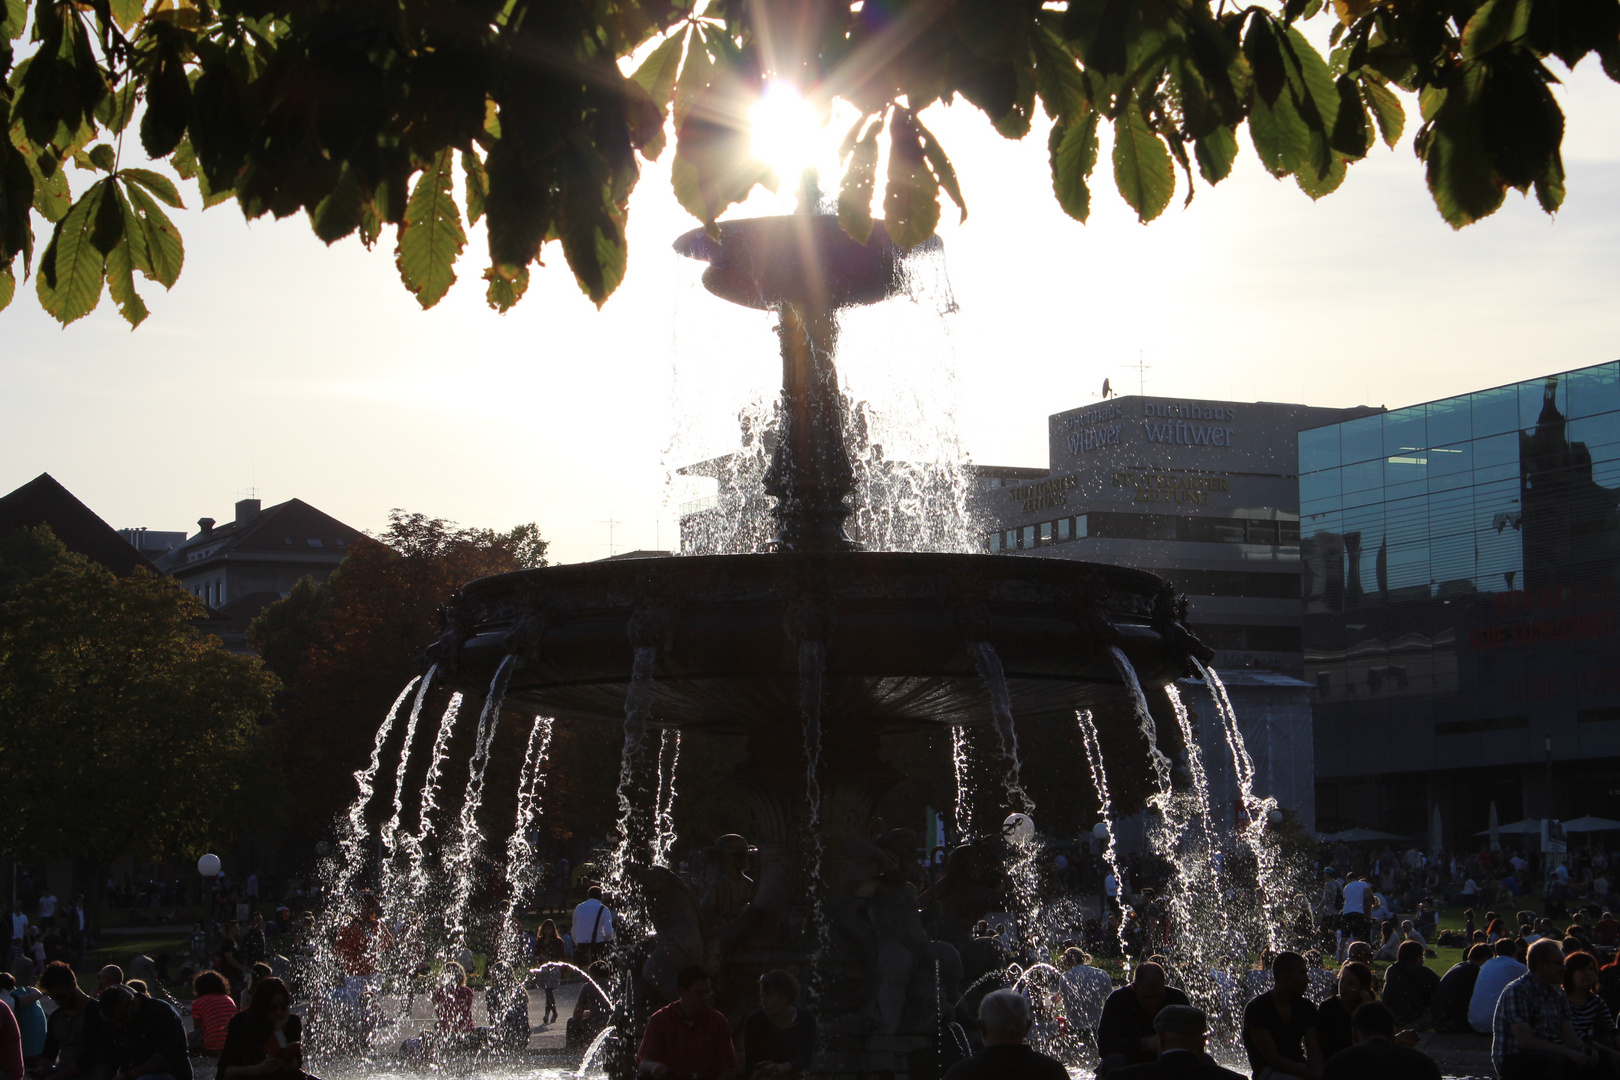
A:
[1202,493]
[1461,581]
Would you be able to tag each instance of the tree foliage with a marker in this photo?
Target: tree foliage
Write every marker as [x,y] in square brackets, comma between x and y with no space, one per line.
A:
[332,107]
[123,728]
[347,648]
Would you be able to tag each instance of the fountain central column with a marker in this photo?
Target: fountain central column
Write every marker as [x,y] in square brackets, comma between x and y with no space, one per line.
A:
[810,475]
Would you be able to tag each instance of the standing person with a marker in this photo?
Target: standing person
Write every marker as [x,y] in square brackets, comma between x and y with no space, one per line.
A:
[1533,1034]
[253,945]
[1357,893]
[780,1038]
[73,1036]
[1450,1006]
[19,931]
[593,927]
[47,909]
[228,960]
[1182,1030]
[1004,1022]
[1375,1053]
[1125,1034]
[362,941]
[688,1038]
[548,948]
[1492,979]
[1279,1026]
[25,1006]
[211,1012]
[1085,989]
[1335,1031]
[148,1038]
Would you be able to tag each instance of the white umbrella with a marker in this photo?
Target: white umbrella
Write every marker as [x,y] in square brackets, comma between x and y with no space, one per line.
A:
[1357,836]
[1591,824]
[1527,827]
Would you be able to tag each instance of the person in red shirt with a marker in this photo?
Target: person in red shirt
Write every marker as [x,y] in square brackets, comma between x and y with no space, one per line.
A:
[453,1004]
[363,940]
[1607,931]
[211,1012]
[688,1039]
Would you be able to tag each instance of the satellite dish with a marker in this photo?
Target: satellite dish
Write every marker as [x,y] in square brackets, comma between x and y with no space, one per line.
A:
[1106,388]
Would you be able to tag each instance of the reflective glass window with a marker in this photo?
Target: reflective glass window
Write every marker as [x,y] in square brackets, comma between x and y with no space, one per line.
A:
[1450,421]
[994,542]
[1497,450]
[1362,438]
[1080,526]
[1318,449]
[1406,432]
[1064,527]
[1591,391]
[1364,483]
[1046,532]
[1495,411]
[1533,396]
[1319,486]
[1498,539]
[1029,536]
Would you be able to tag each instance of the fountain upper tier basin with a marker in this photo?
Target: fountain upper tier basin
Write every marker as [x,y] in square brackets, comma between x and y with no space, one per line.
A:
[896,625]
[799,259]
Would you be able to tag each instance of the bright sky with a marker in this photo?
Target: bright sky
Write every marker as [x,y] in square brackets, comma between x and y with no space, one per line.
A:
[302,371]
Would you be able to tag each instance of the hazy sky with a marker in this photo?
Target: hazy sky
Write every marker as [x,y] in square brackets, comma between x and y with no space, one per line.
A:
[303,371]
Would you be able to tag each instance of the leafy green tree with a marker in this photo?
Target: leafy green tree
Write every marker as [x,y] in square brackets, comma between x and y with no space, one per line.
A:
[346,654]
[124,729]
[367,114]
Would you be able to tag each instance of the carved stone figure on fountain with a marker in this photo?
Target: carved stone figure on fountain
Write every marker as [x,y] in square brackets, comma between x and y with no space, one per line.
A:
[727,910]
[878,910]
[678,939]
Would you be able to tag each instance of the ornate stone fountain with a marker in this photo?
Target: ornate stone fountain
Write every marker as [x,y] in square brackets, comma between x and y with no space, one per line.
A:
[812,651]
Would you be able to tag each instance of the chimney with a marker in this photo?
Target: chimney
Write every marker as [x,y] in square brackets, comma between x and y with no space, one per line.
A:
[246,510]
[205,525]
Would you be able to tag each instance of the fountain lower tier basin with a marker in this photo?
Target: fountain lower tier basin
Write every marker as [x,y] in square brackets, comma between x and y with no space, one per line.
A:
[899,630]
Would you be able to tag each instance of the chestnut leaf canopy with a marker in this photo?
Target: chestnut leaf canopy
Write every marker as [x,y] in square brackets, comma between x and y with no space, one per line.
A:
[425,116]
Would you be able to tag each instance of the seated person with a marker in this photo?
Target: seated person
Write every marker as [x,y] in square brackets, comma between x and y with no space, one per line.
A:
[1182,1031]
[780,1038]
[1376,1053]
[1279,1026]
[688,1038]
[1125,1033]
[1409,986]
[1004,1023]
[1449,1009]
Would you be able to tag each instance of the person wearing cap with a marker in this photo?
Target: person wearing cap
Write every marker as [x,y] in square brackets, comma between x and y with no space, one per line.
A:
[1004,1022]
[1181,1030]
[1375,1054]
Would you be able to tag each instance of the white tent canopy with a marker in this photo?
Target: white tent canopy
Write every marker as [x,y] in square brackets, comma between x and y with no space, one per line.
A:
[1527,827]
[1591,824]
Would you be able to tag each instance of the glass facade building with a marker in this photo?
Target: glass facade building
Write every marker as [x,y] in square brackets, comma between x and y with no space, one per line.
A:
[1460,564]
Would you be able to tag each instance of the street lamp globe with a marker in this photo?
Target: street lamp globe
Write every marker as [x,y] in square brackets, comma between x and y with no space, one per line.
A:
[208,866]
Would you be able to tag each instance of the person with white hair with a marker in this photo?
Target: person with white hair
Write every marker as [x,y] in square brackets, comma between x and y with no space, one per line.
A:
[1004,1022]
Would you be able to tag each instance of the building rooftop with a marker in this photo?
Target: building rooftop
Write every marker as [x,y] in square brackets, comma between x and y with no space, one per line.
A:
[44,501]
[292,526]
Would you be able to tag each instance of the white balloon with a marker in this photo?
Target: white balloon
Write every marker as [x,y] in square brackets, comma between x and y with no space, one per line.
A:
[1018,827]
[208,866]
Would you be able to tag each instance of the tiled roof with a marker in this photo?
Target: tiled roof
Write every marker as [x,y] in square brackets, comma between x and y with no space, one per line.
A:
[290,526]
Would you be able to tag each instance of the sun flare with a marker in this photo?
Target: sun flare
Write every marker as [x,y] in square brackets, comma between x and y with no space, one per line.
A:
[784,130]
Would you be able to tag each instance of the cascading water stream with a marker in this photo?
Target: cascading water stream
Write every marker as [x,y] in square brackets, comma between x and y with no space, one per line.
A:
[994,677]
[1195,764]
[350,854]
[636,819]
[961,763]
[812,670]
[669,748]
[460,867]
[520,856]
[1099,779]
[390,829]
[1144,720]
[1269,882]
[425,828]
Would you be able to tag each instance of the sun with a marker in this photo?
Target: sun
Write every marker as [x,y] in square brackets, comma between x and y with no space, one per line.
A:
[784,130]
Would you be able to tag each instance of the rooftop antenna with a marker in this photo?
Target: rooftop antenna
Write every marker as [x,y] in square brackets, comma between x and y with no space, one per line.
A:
[610,523]
[1142,367]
